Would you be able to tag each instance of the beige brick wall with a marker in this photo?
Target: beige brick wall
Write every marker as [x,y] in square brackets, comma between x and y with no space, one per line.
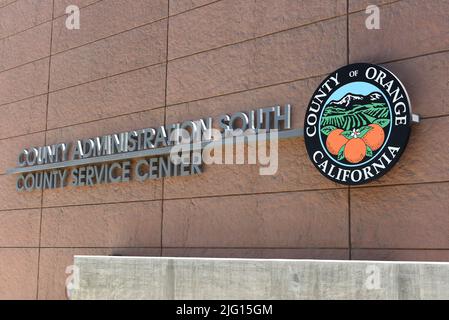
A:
[140,63]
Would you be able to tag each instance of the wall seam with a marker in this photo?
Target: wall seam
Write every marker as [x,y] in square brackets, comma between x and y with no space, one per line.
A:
[168,106]
[241,247]
[40,23]
[110,76]
[165,121]
[45,142]
[308,24]
[147,23]
[24,30]
[80,7]
[223,94]
[349,187]
[192,9]
[24,64]
[233,195]
[111,36]
[8,4]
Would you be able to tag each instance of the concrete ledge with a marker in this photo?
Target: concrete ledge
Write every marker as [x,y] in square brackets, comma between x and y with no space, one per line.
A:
[103,277]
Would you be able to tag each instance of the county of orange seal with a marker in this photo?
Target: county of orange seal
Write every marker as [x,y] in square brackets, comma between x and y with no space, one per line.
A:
[357,123]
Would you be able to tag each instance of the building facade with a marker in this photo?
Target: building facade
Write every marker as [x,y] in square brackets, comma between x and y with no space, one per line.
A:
[145,63]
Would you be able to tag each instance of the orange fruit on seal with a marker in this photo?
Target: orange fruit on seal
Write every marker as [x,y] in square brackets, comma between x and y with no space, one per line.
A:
[335,140]
[355,150]
[375,137]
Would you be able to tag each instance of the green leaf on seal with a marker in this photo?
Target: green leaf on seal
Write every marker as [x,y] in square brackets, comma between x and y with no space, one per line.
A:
[328,129]
[347,134]
[341,152]
[363,130]
[382,122]
[369,152]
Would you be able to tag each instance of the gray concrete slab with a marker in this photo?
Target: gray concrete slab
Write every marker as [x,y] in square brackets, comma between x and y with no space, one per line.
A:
[106,277]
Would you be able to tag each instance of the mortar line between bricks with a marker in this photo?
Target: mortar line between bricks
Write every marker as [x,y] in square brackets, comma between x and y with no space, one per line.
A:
[112,35]
[79,247]
[245,90]
[83,205]
[132,113]
[181,57]
[169,106]
[256,37]
[178,247]
[40,23]
[355,188]
[108,118]
[83,123]
[149,23]
[45,143]
[165,122]
[81,8]
[416,56]
[199,52]
[342,188]
[349,187]
[24,30]
[197,197]
[434,117]
[192,9]
[219,95]
[347,31]
[213,2]
[305,247]
[108,77]
[173,199]
[155,21]
[24,64]
[300,79]
[207,97]
[79,84]
[349,223]
[270,33]
[85,44]
[22,135]
[8,4]
[378,5]
[233,248]
[157,108]
[23,99]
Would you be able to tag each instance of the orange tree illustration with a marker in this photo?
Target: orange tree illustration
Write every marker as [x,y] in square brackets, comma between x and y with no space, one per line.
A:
[354,132]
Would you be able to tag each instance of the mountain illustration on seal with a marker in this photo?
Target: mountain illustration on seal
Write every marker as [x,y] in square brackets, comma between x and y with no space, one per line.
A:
[354,110]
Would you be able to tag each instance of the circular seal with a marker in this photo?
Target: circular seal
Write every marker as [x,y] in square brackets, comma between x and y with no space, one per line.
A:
[357,123]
